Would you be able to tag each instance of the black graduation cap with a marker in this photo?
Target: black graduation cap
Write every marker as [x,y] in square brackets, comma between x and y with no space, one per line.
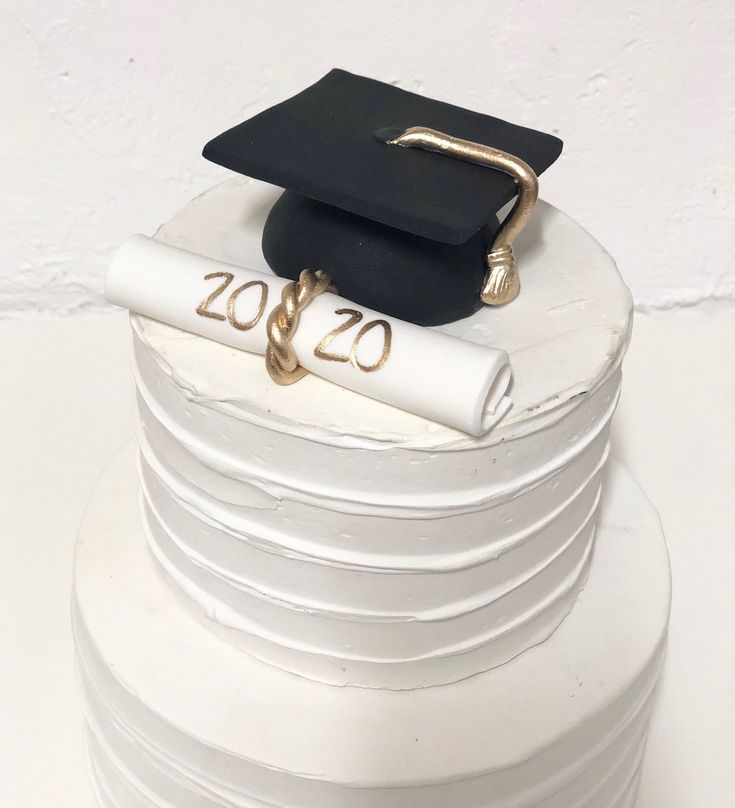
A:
[405,231]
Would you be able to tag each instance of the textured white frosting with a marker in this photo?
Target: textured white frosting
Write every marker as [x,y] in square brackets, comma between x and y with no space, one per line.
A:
[180,716]
[354,543]
[361,608]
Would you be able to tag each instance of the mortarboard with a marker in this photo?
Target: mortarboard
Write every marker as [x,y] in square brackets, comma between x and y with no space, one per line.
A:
[405,231]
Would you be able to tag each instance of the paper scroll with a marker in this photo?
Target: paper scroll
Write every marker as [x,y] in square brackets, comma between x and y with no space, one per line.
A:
[443,378]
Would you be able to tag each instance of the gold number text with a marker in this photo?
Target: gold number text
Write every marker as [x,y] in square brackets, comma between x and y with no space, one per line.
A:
[203,307]
[248,324]
[321,353]
[387,338]
[354,317]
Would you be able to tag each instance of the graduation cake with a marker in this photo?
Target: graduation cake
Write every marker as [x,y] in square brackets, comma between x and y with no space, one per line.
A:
[389,564]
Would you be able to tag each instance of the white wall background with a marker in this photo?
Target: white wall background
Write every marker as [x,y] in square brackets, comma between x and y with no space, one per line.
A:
[104,108]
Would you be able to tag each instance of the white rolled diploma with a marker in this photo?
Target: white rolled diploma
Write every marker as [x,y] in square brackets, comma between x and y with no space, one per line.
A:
[434,375]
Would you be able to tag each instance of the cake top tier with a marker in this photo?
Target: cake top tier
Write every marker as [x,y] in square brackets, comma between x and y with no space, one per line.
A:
[566,333]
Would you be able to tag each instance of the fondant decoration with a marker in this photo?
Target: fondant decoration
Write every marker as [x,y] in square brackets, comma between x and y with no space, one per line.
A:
[443,378]
[413,278]
[501,284]
[280,356]
[405,231]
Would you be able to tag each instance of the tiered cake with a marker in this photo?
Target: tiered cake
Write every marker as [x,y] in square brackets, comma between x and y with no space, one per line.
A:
[309,598]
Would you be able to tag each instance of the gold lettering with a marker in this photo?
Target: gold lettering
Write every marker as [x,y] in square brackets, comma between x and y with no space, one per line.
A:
[203,308]
[353,319]
[387,339]
[248,324]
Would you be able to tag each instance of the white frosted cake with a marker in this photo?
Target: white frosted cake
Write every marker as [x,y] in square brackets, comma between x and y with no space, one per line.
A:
[300,596]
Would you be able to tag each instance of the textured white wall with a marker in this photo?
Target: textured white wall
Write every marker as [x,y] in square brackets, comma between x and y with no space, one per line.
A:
[105,107]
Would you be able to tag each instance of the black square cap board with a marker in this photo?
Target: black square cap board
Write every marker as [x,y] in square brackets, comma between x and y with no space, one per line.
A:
[401,230]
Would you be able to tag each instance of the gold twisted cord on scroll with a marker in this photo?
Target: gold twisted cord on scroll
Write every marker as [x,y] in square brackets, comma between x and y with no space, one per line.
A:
[502,282]
[280,356]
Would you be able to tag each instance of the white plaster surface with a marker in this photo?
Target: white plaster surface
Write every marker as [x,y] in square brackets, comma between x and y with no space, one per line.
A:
[106,105]
[674,430]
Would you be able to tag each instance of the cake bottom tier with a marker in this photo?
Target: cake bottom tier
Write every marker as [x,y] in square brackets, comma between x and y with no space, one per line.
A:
[180,718]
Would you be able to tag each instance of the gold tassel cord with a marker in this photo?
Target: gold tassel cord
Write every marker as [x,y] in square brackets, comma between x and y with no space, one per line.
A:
[502,282]
[280,356]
